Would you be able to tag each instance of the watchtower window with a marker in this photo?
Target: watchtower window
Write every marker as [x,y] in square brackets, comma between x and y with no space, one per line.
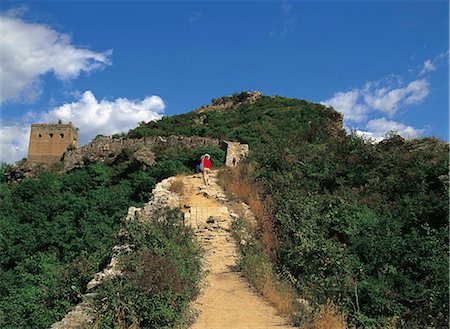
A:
[61,135]
[40,135]
[51,135]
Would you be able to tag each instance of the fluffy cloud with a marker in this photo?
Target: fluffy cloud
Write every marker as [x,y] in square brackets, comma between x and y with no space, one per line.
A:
[13,142]
[383,97]
[377,129]
[347,104]
[390,100]
[94,117]
[30,50]
[91,116]
[387,97]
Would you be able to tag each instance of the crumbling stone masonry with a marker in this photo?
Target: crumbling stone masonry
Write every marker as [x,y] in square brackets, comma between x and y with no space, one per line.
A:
[106,150]
[48,142]
[235,152]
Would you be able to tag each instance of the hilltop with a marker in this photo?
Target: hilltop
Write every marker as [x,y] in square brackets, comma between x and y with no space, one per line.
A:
[249,118]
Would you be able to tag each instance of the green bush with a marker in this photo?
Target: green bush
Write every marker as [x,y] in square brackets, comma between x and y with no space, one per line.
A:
[160,277]
[57,230]
[182,159]
[365,225]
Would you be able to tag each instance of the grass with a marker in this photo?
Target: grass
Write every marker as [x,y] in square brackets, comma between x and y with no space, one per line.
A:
[177,186]
[259,271]
[238,184]
[327,317]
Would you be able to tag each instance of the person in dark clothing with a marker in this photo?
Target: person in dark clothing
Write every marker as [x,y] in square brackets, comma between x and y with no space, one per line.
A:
[197,168]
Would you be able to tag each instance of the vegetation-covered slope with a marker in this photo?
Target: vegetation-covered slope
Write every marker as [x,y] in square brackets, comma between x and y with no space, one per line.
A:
[58,229]
[266,120]
[365,225]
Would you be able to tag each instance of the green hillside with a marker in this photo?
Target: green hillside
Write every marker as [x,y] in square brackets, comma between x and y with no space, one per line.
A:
[365,225]
[362,225]
[58,229]
[265,120]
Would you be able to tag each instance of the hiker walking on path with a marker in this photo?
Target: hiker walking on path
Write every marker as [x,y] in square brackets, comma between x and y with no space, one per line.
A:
[205,166]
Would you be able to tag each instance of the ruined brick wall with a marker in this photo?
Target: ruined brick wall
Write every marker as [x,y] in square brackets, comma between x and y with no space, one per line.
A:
[48,142]
[235,152]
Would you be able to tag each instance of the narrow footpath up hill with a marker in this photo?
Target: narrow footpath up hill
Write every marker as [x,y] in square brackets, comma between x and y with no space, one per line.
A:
[227,301]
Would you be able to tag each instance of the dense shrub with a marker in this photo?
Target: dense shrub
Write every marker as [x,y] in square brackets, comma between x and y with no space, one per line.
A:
[160,277]
[251,123]
[58,229]
[365,225]
[187,159]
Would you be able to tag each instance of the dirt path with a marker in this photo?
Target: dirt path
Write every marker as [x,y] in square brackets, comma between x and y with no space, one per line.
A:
[227,301]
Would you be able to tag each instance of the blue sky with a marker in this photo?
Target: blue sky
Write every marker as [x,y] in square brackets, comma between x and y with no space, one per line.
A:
[107,65]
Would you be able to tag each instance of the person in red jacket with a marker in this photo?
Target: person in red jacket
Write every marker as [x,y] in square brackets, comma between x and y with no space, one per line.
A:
[205,166]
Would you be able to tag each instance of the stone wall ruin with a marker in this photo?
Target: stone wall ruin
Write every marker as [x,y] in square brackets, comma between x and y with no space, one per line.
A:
[48,142]
[235,153]
[106,150]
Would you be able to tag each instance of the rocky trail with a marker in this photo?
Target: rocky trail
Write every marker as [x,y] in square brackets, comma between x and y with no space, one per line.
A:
[227,300]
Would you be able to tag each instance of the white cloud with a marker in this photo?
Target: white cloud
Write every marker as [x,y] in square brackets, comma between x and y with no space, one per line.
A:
[428,66]
[377,129]
[347,104]
[390,100]
[432,65]
[379,96]
[30,50]
[388,96]
[94,117]
[13,142]
[91,116]
[288,20]
[369,136]
[384,97]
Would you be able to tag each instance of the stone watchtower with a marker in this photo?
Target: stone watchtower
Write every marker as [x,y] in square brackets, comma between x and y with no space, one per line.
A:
[48,142]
